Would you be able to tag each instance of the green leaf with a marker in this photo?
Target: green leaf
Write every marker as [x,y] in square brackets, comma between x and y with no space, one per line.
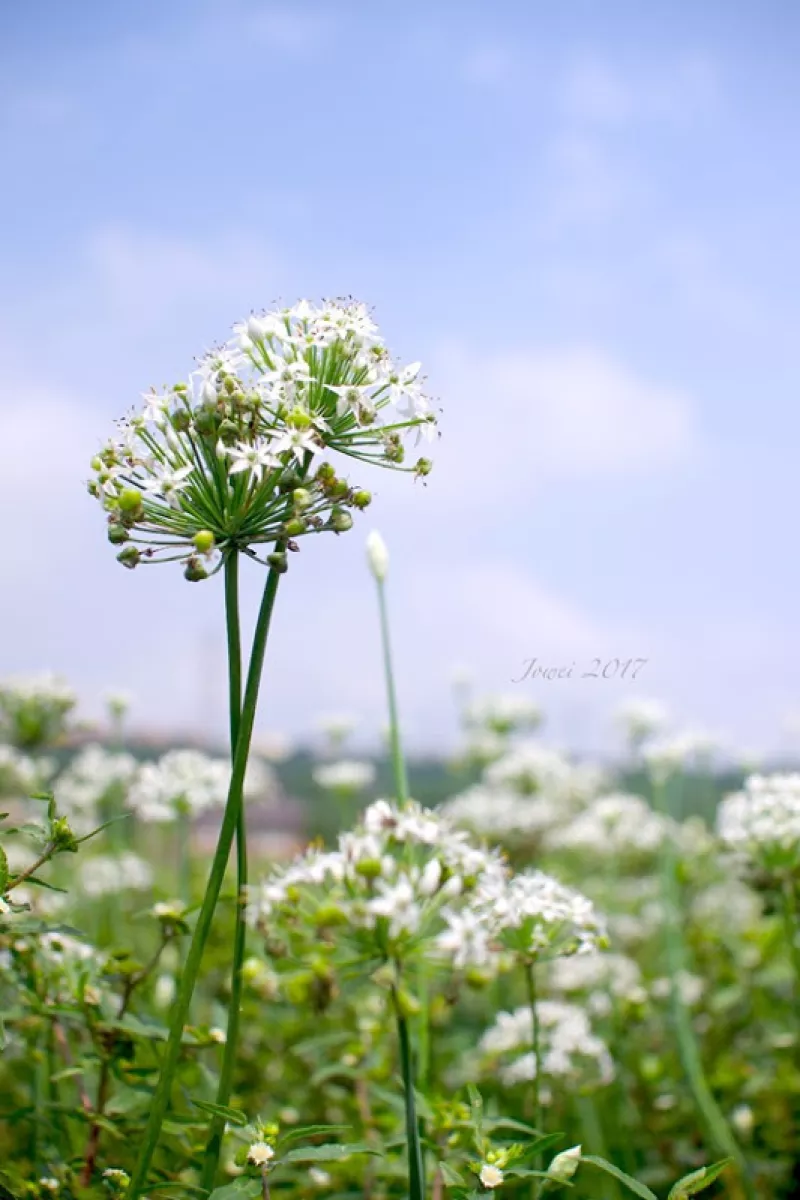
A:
[113,821]
[451,1176]
[698,1181]
[3,871]
[632,1185]
[240,1189]
[234,1116]
[309,1131]
[334,1152]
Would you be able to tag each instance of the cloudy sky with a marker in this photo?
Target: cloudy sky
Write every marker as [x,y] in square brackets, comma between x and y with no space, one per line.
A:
[582,218]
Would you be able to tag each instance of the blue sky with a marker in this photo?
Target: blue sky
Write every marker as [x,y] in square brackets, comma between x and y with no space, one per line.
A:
[582,218]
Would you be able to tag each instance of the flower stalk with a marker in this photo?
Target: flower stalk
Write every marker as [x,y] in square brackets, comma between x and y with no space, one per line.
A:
[230,821]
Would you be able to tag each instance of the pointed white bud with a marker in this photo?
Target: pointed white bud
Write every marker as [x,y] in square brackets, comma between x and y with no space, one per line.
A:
[377,555]
[565,1164]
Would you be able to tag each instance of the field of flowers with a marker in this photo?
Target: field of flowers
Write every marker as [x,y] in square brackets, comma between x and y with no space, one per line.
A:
[559,977]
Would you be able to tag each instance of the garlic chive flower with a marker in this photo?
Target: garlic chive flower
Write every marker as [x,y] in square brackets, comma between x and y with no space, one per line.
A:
[761,824]
[228,460]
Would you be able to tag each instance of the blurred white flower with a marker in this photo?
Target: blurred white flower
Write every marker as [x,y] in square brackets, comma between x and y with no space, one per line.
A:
[377,555]
[346,776]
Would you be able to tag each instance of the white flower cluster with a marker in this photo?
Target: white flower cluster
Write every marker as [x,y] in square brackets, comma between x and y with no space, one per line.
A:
[503,815]
[181,782]
[94,776]
[107,875]
[761,824]
[524,793]
[730,907]
[503,714]
[407,874]
[602,979]
[33,708]
[679,752]
[19,774]
[641,719]
[569,1049]
[534,916]
[225,459]
[345,776]
[613,826]
[391,876]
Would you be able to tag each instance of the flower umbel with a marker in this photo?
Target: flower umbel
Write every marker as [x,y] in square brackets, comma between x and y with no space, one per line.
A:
[226,460]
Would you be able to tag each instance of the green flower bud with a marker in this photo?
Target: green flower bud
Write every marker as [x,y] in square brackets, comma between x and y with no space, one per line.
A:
[329,914]
[206,422]
[337,489]
[301,498]
[195,571]
[408,1005]
[325,473]
[204,541]
[129,557]
[340,520]
[130,502]
[278,562]
[423,466]
[96,464]
[362,499]
[181,420]
[294,527]
[229,432]
[117,534]
[298,419]
[369,868]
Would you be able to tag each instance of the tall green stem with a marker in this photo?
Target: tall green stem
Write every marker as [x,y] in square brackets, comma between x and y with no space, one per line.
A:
[398,761]
[219,864]
[416,1168]
[709,1110]
[225,1086]
[530,983]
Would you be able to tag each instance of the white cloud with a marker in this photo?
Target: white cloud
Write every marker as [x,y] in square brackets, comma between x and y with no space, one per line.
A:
[597,92]
[526,418]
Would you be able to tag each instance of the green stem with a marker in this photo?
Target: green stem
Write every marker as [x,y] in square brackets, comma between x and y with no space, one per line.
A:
[225,1086]
[530,983]
[219,864]
[398,762]
[718,1128]
[416,1169]
[183,829]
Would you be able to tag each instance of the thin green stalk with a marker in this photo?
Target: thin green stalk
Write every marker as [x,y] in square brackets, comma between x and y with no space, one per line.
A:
[183,829]
[225,1086]
[416,1168]
[219,864]
[530,983]
[398,761]
[594,1140]
[712,1115]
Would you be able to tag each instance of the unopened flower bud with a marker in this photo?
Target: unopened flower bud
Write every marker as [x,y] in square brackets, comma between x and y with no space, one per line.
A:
[181,420]
[408,1005]
[325,473]
[299,419]
[129,557]
[195,571]
[204,541]
[117,534]
[130,502]
[340,520]
[423,466]
[278,562]
[369,868]
[301,498]
[377,556]
[294,527]
[362,499]
[565,1164]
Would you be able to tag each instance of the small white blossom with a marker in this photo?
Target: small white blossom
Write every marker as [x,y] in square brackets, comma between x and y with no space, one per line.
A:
[490,1176]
